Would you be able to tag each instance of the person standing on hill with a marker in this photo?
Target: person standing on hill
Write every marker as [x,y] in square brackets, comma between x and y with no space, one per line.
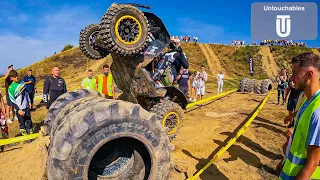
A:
[105,83]
[8,82]
[281,85]
[89,82]
[293,98]
[30,82]
[193,89]
[203,77]
[54,86]
[302,160]
[21,102]
[220,78]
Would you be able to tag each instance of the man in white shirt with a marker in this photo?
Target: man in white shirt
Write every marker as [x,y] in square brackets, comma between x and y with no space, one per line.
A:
[203,77]
[220,78]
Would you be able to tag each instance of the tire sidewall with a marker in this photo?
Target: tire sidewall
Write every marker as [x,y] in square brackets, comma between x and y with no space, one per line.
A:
[89,30]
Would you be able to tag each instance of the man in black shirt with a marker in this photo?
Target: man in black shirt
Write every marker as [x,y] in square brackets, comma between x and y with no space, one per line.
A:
[53,87]
[183,80]
[293,98]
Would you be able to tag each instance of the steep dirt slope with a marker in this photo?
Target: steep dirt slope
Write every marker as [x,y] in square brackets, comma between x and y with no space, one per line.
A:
[212,59]
[316,51]
[268,62]
[283,55]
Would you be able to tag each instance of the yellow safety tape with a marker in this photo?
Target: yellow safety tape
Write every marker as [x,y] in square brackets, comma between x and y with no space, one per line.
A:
[36,98]
[233,140]
[18,139]
[210,98]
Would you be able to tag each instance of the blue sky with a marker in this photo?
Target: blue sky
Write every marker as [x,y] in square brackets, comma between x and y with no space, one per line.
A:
[33,29]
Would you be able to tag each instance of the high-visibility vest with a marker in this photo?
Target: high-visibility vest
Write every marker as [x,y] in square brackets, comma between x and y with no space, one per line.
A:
[297,155]
[109,83]
[91,85]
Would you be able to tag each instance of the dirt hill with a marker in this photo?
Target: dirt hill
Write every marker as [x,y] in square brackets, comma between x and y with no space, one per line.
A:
[232,60]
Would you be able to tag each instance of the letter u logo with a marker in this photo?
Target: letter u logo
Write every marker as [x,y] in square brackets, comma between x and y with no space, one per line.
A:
[283,25]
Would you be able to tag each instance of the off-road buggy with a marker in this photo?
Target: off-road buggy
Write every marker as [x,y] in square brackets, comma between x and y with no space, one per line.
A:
[92,137]
[135,39]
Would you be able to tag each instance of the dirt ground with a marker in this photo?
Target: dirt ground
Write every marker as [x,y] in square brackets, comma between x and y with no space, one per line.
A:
[253,156]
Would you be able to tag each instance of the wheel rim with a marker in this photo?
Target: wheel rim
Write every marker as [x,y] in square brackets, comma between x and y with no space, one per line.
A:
[128,30]
[172,121]
[92,39]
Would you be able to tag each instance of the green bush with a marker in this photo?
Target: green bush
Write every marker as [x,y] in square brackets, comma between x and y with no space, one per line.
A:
[67,47]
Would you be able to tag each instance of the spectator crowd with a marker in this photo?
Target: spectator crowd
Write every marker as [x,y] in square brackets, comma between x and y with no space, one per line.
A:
[20,94]
[270,42]
[186,38]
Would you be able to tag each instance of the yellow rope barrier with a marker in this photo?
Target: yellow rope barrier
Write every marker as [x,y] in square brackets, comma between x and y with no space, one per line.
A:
[233,140]
[18,139]
[210,98]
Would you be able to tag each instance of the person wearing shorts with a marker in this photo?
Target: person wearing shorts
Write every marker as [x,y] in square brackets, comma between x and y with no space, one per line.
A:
[292,100]
[193,87]
[8,82]
[202,77]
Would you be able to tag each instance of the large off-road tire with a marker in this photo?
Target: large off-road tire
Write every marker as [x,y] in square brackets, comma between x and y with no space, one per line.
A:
[94,130]
[257,87]
[251,85]
[170,115]
[87,44]
[266,86]
[124,30]
[61,102]
[244,84]
[71,108]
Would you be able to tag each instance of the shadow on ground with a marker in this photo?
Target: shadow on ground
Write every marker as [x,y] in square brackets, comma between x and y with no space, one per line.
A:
[212,171]
[236,152]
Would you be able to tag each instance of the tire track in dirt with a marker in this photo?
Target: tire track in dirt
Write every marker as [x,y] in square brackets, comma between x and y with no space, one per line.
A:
[206,128]
[268,62]
[212,59]
[315,51]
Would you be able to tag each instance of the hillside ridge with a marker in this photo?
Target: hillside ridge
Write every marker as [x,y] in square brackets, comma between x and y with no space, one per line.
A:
[233,60]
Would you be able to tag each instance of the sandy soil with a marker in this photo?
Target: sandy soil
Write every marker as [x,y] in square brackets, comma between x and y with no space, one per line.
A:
[253,156]
[268,62]
[212,59]
[21,162]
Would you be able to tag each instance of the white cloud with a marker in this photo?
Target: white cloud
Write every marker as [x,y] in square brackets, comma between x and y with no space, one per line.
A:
[54,31]
[23,51]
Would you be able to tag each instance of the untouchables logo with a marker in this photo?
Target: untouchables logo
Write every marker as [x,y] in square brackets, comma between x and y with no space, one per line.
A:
[284,20]
[283,8]
[283,25]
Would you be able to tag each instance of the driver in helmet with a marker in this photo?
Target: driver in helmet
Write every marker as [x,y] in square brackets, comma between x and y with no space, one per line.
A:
[176,56]
[171,62]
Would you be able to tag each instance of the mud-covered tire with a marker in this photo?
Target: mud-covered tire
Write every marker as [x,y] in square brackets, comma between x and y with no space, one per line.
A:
[251,84]
[72,107]
[257,87]
[95,127]
[116,44]
[244,84]
[165,108]
[61,102]
[266,86]
[88,48]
